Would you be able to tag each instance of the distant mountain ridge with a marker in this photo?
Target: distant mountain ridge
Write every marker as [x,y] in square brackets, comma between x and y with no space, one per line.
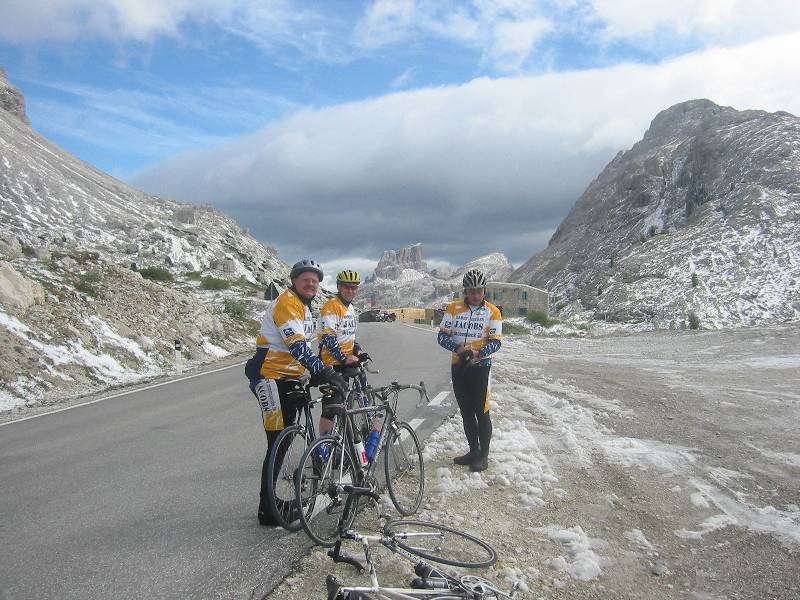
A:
[701,216]
[402,279]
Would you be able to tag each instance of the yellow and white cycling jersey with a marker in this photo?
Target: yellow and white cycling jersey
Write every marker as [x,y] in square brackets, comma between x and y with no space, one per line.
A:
[286,321]
[339,320]
[472,327]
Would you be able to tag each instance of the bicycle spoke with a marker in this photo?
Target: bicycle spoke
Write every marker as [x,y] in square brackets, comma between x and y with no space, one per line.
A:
[325,467]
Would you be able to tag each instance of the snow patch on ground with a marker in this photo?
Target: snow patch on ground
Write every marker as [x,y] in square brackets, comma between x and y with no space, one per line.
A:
[782,524]
[213,349]
[581,562]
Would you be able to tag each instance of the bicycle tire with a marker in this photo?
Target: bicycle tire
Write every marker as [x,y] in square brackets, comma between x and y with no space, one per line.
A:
[321,504]
[404,468]
[282,469]
[453,547]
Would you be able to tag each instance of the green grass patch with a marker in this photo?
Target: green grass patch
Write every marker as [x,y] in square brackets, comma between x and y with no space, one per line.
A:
[86,288]
[243,282]
[214,283]
[236,309]
[193,275]
[514,329]
[541,317]
[86,283]
[156,273]
[92,276]
[694,320]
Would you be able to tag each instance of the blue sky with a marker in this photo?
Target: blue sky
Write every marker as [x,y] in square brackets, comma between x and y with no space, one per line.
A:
[407,117]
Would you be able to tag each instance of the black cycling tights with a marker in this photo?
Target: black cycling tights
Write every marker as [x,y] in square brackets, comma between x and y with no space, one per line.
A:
[470,385]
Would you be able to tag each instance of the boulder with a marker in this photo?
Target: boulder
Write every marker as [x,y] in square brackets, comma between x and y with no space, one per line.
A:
[10,248]
[42,254]
[16,290]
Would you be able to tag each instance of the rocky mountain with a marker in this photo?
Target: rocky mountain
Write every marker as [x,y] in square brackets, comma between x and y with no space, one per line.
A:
[700,221]
[394,262]
[75,310]
[402,278]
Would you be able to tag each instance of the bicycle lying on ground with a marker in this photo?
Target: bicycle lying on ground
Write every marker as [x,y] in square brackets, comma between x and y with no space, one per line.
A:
[334,461]
[416,540]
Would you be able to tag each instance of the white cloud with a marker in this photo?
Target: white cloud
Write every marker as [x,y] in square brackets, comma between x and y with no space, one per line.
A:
[494,163]
[404,79]
[715,20]
[331,267]
[514,41]
[507,31]
[64,20]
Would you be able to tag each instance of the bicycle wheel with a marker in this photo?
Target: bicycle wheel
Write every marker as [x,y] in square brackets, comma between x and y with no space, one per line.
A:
[441,544]
[324,467]
[404,468]
[282,469]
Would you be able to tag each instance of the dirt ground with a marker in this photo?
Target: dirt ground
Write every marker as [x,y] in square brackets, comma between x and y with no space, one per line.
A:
[657,465]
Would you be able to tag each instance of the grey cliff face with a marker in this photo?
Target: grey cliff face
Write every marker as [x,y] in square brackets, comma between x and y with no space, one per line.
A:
[11,99]
[76,314]
[393,262]
[699,216]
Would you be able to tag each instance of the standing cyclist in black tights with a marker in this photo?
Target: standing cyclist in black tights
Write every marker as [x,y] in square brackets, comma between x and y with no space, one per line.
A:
[471,330]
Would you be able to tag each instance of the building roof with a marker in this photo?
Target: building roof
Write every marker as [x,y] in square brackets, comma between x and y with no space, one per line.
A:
[516,285]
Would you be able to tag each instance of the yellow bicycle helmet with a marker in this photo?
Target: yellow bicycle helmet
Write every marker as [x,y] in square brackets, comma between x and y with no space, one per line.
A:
[349,277]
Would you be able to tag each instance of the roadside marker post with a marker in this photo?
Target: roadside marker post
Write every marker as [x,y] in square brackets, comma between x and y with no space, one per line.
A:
[178,366]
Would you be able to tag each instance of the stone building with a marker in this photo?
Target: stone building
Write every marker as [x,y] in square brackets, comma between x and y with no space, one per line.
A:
[516,299]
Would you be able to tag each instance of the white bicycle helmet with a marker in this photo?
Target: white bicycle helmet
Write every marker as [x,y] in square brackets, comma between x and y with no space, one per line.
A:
[305,266]
[474,279]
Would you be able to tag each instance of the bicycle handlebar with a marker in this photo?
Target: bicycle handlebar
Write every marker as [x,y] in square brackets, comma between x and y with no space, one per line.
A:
[399,387]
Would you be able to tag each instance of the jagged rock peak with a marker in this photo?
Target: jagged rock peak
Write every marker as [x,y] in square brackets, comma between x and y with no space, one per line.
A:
[495,266]
[394,261]
[11,99]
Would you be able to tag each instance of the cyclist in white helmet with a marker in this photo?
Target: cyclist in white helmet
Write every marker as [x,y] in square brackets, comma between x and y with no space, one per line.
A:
[471,329]
[284,354]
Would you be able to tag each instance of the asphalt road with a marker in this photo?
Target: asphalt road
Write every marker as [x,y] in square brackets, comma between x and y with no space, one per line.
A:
[153,494]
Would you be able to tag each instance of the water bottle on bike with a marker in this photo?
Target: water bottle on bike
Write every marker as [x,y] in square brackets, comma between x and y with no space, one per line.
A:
[361,453]
[374,437]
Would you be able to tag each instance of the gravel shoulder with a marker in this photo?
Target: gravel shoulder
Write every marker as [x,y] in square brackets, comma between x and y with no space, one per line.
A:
[648,465]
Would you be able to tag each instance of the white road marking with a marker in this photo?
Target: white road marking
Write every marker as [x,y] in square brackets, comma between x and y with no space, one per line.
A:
[149,387]
[430,329]
[438,399]
[416,423]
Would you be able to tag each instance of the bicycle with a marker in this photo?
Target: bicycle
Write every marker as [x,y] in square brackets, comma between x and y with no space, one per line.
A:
[332,462]
[416,540]
[284,462]
[290,445]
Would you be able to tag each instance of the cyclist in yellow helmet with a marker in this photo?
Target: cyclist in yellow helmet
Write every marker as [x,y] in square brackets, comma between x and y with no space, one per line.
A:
[337,335]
